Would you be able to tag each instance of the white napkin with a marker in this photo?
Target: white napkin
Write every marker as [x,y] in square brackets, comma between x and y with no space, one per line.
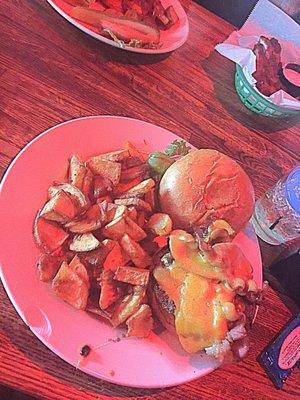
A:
[268,20]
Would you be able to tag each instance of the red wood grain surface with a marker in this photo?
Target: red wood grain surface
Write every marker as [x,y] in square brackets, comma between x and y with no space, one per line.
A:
[51,72]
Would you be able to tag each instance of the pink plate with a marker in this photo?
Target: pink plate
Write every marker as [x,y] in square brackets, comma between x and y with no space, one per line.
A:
[154,362]
[171,39]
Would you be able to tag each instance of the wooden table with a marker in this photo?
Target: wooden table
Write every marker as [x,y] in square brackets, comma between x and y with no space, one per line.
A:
[51,72]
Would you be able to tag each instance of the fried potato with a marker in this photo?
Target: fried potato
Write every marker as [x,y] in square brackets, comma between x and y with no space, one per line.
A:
[76,193]
[150,197]
[115,156]
[140,189]
[114,259]
[77,171]
[48,235]
[95,258]
[140,323]
[135,152]
[84,242]
[48,265]
[70,287]
[107,169]
[109,244]
[61,208]
[115,229]
[123,187]
[132,173]
[132,213]
[127,306]
[160,224]
[87,184]
[102,186]
[79,268]
[133,230]
[120,211]
[90,221]
[110,291]
[134,201]
[136,253]
[106,314]
[132,275]
[131,162]
[141,219]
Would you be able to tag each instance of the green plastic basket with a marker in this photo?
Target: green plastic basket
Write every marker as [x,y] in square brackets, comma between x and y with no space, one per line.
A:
[255,101]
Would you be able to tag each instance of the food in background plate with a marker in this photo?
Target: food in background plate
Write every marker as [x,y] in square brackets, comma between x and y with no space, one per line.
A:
[268,65]
[136,23]
[110,248]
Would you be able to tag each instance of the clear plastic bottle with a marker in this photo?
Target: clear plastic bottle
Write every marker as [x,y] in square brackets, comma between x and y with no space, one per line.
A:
[276,217]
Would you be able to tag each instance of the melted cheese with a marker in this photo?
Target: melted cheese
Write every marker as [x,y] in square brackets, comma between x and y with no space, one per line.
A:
[200,291]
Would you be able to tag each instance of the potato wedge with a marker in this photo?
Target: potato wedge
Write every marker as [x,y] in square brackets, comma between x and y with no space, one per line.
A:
[79,268]
[87,184]
[116,156]
[48,265]
[121,211]
[127,306]
[132,173]
[106,314]
[140,324]
[114,259]
[134,276]
[110,291]
[132,213]
[160,224]
[91,221]
[77,171]
[115,229]
[48,235]
[107,169]
[76,193]
[134,201]
[135,152]
[84,242]
[133,230]
[123,187]
[102,186]
[95,258]
[141,219]
[131,162]
[109,244]
[140,189]
[70,287]
[150,197]
[61,208]
[136,253]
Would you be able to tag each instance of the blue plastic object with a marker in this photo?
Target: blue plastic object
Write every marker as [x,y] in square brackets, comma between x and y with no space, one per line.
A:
[292,189]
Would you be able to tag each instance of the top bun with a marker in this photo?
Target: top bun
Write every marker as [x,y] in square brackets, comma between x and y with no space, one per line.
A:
[206,185]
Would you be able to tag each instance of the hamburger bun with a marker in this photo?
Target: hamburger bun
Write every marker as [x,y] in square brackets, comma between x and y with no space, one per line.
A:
[203,186]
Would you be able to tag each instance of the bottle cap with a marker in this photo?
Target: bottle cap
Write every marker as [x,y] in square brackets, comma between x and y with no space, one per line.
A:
[292,189]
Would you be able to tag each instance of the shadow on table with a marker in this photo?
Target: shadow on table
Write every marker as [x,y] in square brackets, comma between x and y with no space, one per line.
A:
[223,80]
[95,50]
[55,366]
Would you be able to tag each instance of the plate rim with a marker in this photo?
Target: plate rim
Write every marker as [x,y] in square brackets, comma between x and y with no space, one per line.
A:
[43,339]
[111,42]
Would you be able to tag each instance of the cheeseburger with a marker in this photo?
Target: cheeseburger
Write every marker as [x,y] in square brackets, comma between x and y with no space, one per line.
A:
[203,288]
